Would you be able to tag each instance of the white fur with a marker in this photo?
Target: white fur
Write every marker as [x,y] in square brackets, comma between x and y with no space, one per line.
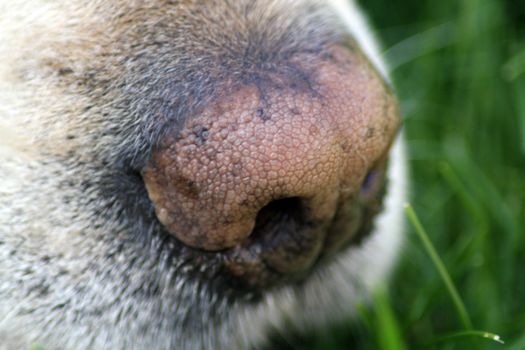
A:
[357,25]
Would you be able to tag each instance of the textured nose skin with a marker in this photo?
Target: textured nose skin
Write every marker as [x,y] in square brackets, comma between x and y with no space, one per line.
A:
[312,138]
[226,168]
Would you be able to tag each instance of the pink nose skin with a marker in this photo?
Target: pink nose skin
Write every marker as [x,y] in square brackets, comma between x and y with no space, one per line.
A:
[312,143]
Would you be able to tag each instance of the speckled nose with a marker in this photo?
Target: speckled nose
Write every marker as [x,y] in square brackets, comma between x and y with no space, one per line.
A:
[300,144]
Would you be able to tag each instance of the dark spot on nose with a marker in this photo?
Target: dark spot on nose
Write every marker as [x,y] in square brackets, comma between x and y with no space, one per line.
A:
[262,114]
[201,134]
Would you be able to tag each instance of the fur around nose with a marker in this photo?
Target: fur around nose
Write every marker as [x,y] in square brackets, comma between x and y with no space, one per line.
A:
[261,142]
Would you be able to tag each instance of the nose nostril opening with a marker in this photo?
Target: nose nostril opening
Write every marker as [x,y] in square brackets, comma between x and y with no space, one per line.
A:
[286,209]
[373,186]
[374,179]
[369,180]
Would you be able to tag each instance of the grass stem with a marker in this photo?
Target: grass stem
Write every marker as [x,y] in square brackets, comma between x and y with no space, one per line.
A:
[440,266]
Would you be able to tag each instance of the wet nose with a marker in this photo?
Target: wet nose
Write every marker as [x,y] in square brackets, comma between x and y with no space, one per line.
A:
[307,139]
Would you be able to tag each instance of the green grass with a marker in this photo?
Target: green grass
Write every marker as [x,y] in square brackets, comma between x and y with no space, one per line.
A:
[459,69]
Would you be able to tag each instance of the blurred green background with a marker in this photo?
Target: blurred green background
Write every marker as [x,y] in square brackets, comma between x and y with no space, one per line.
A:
[459,70]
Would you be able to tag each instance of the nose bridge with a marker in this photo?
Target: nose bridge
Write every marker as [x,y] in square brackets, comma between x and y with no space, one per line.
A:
[293,155]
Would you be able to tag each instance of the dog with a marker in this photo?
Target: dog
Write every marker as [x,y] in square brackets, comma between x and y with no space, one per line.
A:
[186,174]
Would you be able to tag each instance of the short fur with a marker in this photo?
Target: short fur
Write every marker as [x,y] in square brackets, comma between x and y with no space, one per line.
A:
[87,88]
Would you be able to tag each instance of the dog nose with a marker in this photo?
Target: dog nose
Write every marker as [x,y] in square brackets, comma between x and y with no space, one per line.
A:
[286,147]
[219,175]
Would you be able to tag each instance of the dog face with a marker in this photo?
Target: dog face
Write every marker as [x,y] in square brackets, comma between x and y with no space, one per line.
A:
[182,174]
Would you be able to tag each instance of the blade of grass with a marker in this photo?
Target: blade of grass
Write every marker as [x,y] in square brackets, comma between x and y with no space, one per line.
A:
[419,45]
[480,334]
[471,205]
[440,266]
[387,325]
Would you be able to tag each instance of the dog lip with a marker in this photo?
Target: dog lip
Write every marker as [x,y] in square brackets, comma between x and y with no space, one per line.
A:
[251,270]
